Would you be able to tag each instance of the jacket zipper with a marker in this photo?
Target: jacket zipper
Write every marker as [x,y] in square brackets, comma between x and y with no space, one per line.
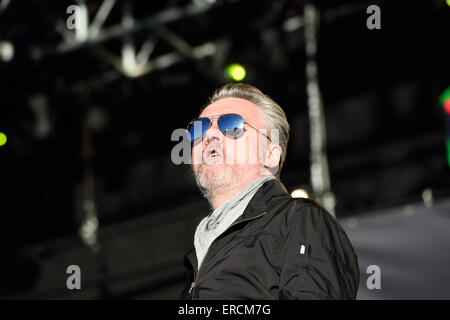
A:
[196,273]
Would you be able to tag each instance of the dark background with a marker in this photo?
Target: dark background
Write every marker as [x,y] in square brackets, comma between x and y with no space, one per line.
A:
[385,126]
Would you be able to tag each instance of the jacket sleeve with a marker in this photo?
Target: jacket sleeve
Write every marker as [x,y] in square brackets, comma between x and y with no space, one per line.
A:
[317,258]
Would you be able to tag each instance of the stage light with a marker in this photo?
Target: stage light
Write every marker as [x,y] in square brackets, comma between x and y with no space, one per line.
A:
[447,106]
[444,100]
[235,71]
[299,193]
[3,139]
[6,51]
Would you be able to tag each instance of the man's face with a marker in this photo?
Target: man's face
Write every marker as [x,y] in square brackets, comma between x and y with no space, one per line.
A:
[221,161]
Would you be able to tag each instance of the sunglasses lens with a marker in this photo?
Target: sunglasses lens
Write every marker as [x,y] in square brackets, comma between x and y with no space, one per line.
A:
[231,124]
[197,128]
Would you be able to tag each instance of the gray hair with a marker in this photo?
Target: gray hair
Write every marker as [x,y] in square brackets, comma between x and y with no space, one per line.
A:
[273,115]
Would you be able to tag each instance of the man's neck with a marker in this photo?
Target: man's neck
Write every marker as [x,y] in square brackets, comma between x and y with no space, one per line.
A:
[223,194]
[219,197]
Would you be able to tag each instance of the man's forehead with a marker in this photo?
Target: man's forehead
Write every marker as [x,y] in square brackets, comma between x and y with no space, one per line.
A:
[232,105]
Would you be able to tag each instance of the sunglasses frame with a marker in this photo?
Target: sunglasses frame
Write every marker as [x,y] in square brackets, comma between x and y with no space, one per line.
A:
[217,116]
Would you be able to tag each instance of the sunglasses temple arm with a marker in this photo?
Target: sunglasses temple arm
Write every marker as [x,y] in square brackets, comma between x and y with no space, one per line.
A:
[258,131]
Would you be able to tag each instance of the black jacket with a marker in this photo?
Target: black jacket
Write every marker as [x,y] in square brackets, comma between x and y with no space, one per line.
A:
[280,248]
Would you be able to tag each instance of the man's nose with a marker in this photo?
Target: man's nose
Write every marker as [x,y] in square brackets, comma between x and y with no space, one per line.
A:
[213,133]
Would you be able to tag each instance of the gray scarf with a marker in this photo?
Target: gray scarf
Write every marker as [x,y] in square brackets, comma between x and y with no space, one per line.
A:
[221,218]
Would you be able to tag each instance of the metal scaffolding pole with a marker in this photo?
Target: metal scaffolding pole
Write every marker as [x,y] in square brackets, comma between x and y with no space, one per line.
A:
[320,177]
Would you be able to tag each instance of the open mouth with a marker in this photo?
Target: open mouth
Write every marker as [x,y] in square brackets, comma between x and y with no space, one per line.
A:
[212,154]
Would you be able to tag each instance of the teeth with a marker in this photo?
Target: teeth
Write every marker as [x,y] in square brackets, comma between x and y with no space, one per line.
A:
[214,154]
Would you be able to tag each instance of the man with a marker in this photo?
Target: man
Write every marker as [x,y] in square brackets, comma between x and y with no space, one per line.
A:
[258,242]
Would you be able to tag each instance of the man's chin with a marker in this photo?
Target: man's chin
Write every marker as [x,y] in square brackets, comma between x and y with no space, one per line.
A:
[212,169]
[213,176]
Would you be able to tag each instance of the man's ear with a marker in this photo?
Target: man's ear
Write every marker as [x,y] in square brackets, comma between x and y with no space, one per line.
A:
[273,157]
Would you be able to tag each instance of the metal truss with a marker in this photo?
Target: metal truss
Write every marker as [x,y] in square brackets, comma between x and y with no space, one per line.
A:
[130,62]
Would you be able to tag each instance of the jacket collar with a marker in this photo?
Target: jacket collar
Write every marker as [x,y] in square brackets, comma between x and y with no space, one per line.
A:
[259,204]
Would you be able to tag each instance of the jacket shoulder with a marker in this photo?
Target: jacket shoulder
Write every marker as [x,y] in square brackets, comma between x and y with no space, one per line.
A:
[310,213]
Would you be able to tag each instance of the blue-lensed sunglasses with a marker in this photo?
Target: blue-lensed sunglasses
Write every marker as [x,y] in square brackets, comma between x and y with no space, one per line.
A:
[230,124]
